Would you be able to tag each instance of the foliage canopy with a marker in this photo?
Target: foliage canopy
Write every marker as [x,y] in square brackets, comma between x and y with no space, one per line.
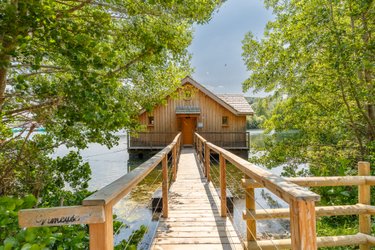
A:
[320,54]
[82,69]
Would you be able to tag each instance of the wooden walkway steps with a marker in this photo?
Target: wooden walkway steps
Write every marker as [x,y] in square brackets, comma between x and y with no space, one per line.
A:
[194,220]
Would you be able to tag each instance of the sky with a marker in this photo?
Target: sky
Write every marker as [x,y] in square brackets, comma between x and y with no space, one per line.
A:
[217,46]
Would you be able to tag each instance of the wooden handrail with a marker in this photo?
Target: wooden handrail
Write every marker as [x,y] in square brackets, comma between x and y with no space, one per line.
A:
[302,211]
[96,210]
[281,187]
[200,138]
[114,191]
[321,181]
[101,234]
[301,201]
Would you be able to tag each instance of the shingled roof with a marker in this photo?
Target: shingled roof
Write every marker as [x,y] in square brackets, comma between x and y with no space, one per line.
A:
[236,103]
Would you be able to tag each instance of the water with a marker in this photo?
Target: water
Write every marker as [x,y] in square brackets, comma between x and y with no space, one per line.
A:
[107,165]
[264,199]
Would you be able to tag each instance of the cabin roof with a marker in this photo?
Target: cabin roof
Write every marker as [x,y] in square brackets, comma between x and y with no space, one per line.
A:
[236,103]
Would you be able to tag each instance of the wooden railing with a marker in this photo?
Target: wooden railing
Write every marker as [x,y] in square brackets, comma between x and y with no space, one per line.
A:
[157,140]
[150,140]
[228,140]
[96,210]
[302,211]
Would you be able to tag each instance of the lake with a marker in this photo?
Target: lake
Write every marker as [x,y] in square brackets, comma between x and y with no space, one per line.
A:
[107,165]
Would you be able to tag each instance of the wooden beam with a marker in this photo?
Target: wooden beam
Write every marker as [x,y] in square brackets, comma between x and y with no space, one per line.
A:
[174,162]
[330,241]
[279,186]
[370,180]
[199,137]
[207,161]
[223,186]
[101,234]
[251,225]
[165,186]
[322,181]
[58,216]
[303,225]
[280,213]
[364,197]
[370,240]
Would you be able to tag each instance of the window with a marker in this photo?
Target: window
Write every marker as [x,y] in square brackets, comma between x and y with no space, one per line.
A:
[150,121]
[224,121]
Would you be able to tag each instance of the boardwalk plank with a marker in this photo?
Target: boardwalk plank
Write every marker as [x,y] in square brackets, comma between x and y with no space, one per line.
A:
[199,247]
[194,220]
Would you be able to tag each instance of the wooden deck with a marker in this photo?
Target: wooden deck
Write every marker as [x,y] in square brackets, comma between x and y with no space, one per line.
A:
[194,220]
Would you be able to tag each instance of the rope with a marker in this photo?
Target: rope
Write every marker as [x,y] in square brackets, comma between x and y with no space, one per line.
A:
[138,204]
[169,167]
[215,174]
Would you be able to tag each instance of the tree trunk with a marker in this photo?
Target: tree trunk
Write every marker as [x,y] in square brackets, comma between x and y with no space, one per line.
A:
[3,81]
[371,114]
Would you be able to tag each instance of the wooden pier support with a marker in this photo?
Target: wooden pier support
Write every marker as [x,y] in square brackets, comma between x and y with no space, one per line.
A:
[251,224]
[165,186]
[174,163]
[303,224]
[364,197]
[207,161]
[223,186]
[101,234]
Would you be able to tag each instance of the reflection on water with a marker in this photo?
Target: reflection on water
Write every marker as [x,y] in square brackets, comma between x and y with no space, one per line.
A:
[107,165]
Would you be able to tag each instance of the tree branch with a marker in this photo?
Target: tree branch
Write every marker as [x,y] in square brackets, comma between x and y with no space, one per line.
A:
[31,108]
[78,7]
[40,66]
[128,64]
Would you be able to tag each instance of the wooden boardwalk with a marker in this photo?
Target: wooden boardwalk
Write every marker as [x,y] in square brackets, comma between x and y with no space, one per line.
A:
[194,221]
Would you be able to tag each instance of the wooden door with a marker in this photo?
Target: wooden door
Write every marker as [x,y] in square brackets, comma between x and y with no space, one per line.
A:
[188,128]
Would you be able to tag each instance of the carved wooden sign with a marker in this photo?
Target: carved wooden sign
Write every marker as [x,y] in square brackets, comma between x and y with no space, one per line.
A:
[58,216]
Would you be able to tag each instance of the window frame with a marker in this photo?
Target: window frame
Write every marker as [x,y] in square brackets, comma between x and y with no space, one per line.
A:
[224,121]
[150,121]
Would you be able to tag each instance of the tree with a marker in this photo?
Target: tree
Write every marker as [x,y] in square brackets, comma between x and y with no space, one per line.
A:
[320,54]
[263,107]
[82,69]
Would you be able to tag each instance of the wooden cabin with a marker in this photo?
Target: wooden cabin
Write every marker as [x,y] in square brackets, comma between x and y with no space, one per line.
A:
[221,119]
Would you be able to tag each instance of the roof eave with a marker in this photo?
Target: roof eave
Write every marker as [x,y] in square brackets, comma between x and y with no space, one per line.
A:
[190,80]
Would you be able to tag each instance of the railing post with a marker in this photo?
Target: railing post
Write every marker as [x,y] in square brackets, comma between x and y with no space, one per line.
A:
[165,185]
[200,149]
[223,186]
[248,140]
[303,224]
[251,224]
[101,234]
[207,161]
[197,148]
[364,197]
[174,162]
